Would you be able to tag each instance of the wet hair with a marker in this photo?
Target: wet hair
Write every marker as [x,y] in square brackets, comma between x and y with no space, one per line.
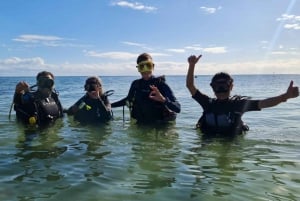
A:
[221,75]
[93,80]
[143,57]
[44,74]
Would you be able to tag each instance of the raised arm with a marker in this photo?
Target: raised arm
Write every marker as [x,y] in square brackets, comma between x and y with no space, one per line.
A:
[292,92]
[190,75]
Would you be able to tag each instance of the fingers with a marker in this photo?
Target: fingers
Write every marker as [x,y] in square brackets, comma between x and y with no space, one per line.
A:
[155,94]
[291,84]
[193,59]
[21,87]
[154,88]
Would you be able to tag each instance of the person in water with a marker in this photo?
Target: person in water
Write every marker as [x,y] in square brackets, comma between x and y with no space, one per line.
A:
[150,99]
[94,107]
[40,107]
[222,115]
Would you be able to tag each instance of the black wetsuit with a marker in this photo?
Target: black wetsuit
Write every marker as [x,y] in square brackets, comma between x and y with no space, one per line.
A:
[34,105]
[223,117]
[146,110]
[91,111]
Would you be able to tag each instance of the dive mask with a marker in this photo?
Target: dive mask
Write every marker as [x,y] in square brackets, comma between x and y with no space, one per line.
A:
[91,86]
[45,82]
[221,86]
[145,66]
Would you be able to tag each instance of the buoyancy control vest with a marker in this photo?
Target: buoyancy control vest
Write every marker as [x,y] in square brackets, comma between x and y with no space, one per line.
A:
[93,111]
[220,118]
[146,110]
[37,110]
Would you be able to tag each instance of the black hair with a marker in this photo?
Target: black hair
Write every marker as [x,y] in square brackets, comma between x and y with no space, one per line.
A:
[143,57]
[221,75]
[93,80]
[44,74]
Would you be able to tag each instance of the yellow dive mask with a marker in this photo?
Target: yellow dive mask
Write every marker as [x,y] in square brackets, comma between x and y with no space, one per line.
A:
[145,66]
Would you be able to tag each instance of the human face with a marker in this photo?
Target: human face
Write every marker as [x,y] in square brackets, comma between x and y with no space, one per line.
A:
[94,89]
[45,82]
[145,68]
[222,88]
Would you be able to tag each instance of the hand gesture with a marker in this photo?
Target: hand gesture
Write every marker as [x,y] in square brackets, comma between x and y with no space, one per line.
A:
[194,59]
[292,91]
[21,87]
[156,95]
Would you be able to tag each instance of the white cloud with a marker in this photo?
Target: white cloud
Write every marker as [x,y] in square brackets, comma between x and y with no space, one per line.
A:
[291,21]
[292,26]
[215,50]
[112,55]
[211,50]
[23,66]
[133,44]
[30,38]
[210,10]
[16,61]
[193,47]
[134,6]
[143,46]
[46,40]
[176,50]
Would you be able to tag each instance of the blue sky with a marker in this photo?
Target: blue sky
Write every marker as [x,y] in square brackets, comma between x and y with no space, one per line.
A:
[104,37]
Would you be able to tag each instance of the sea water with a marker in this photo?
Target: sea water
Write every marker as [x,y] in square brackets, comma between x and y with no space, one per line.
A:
[121,161]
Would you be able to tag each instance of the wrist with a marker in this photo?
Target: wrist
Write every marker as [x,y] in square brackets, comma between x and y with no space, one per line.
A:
[283,97]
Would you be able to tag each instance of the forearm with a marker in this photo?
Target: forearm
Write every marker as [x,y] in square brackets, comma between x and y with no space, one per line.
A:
[273,101]
[105,109]
[119,103]
[173,105]
[190,79]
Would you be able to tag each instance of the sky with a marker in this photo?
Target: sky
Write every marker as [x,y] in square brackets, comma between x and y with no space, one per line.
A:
[104,37]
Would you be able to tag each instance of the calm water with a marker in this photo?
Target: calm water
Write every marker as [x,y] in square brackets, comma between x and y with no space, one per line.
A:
[123,162]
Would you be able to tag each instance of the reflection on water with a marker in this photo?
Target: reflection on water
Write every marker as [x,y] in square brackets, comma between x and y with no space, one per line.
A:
[153,158]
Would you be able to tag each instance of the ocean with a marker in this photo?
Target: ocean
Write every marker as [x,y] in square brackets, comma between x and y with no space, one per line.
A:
[121,161]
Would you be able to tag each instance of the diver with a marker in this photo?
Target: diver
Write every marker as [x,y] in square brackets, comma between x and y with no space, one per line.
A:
[94,107]
[222,116]
[39,107]
[150,99]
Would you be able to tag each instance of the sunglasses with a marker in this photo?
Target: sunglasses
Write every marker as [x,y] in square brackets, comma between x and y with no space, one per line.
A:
[145,66]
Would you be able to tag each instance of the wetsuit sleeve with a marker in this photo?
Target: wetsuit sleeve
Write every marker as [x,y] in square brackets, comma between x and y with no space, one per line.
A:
[18,98]
[201,98]
[171,101]
[105,108]
[129,97]
[249,105]
[74,108]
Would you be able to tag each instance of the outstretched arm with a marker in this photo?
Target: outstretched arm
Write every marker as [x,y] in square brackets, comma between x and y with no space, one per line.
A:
[129,97]
[292,92]
[190,75]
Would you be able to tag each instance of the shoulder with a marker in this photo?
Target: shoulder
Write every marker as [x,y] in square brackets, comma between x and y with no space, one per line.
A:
[135,82]
[160,79]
